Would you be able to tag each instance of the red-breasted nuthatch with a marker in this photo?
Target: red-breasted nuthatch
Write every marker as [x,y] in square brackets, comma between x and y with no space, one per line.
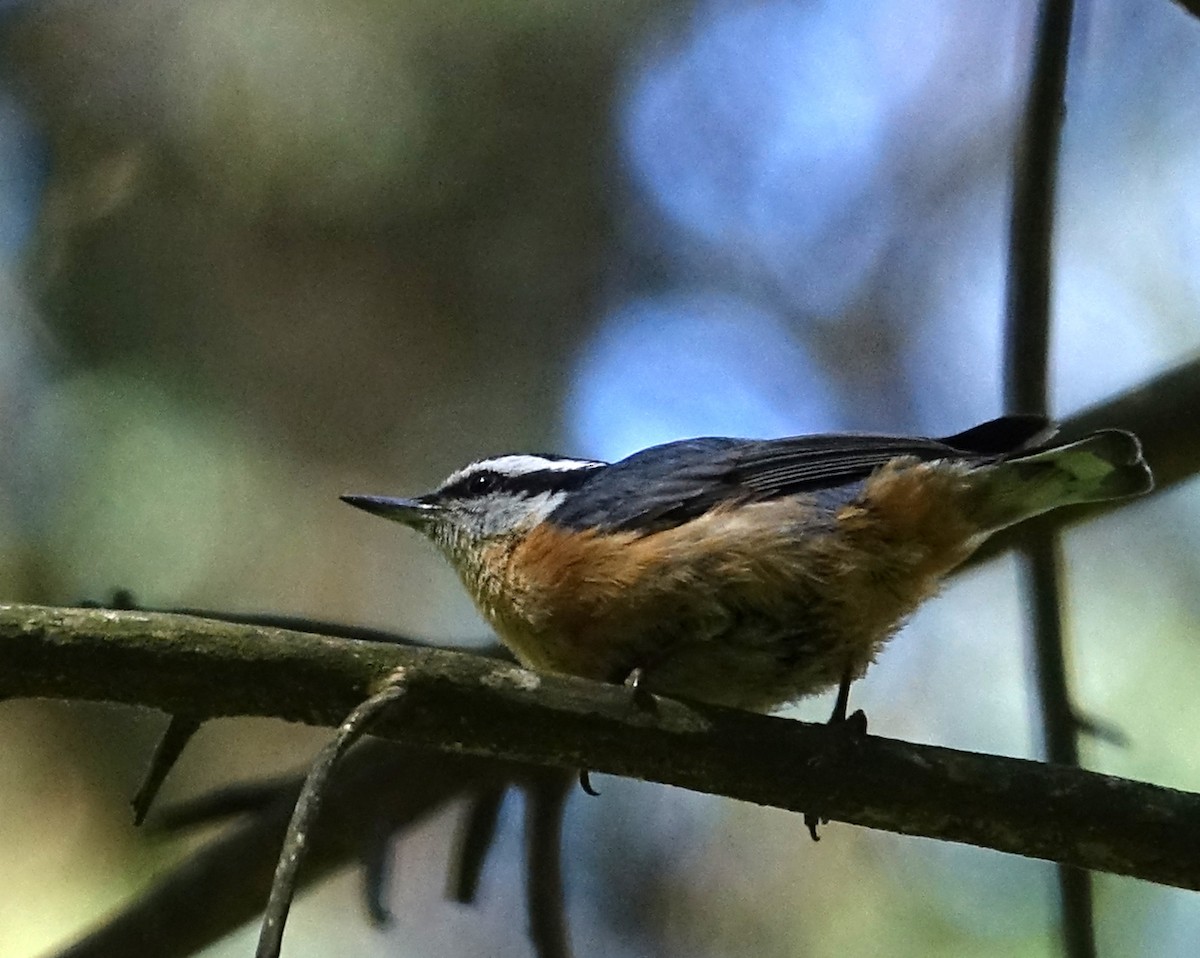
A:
[743,572]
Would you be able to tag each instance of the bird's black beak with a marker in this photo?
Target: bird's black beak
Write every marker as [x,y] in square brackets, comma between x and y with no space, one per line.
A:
[411,512]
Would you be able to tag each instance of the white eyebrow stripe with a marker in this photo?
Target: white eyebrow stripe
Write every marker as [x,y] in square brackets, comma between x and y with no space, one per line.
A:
[519,465]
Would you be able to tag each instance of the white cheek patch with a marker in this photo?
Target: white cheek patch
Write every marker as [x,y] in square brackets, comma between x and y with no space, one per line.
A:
[505,514]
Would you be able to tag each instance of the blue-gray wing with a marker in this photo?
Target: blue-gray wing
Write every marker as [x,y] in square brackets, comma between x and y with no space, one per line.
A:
[666,485]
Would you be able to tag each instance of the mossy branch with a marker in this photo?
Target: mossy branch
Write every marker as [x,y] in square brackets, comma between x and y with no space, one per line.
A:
[472,705]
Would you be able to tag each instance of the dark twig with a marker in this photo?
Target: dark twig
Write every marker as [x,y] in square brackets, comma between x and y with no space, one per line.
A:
[1100,730]
[377,873]
[379,785]
[545,803]
[1032,226]
[179,732]
[1060,728]
[240,798]
[478,831]
[1030,272]
[308,806]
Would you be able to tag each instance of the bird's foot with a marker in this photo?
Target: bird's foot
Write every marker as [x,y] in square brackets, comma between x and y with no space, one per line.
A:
[853,726]
[641,696]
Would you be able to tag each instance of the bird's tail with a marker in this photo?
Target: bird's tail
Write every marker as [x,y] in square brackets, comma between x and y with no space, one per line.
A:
[1104,465]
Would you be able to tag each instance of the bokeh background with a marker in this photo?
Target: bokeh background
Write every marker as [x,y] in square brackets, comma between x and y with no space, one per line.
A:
[255,253]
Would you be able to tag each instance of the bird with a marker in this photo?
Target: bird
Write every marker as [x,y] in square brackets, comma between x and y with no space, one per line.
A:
[746,573]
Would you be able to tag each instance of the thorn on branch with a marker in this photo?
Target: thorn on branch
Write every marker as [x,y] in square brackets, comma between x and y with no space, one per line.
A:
[1100,729]
[178,733]
[585,783]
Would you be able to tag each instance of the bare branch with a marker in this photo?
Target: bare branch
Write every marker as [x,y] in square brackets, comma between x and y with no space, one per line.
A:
[467,704]
[1026,374]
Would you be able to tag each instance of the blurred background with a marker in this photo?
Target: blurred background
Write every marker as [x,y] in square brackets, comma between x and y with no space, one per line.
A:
[256,253]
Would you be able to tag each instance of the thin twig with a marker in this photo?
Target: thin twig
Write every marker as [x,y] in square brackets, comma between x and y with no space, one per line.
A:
[379,785]
[476,835]
[377,874]
[1060,725]
[239,798]
[308,806]
[545,804]
[1032,224]
[1030,275]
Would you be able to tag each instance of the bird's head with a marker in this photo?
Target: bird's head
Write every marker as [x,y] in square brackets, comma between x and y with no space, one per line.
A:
[498,498]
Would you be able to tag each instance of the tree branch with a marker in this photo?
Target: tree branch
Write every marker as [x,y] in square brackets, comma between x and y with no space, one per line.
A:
[471,705]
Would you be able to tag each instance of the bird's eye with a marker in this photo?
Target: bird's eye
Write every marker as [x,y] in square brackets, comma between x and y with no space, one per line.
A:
[482,483]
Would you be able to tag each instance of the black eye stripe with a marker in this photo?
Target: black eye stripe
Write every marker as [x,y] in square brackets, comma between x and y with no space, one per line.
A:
[477,484]
[482,483]
[487,481]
